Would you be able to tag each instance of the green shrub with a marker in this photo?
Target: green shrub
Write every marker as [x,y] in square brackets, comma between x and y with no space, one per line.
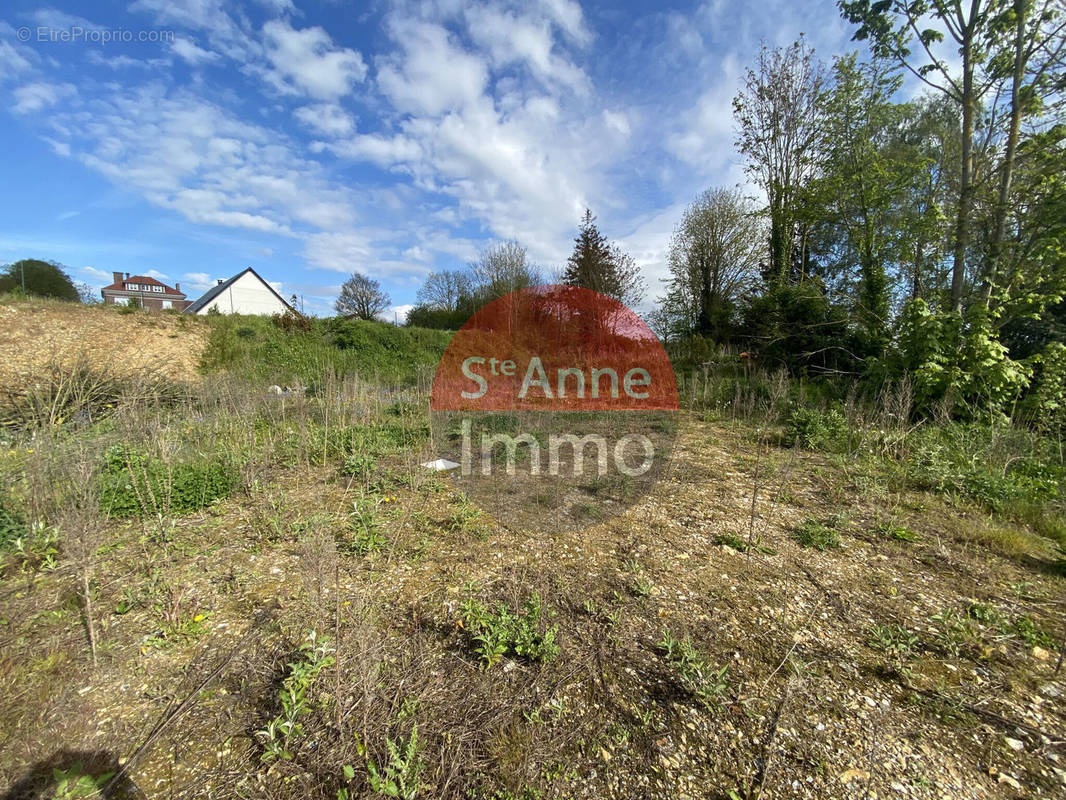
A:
[816,430]
[132,484]
[12,525]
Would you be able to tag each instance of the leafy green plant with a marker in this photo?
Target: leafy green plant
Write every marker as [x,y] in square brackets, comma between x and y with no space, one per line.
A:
[492,635]
[12,526]
[74,783]
[133,484]
[465,516]
[400,775]
[359,465]
[818,535]
[365,526]
[37,550]
[897,642]
[898,533]
[742,545]
[813,429]
[294,695]
[707,684]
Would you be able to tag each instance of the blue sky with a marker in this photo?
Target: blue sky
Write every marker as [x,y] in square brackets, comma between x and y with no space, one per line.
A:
[311,138]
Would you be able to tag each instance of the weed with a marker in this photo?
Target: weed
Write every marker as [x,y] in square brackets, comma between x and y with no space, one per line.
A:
[820,536]
[707,684]
[366,534]
[492,635]
[295,692]
[742,545]
[359,465]
[74,783]
[465,516]
[896,642]
[898,533]
[401,775]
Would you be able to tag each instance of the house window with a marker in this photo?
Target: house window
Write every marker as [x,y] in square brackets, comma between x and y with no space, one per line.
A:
[168,304]
[157,288]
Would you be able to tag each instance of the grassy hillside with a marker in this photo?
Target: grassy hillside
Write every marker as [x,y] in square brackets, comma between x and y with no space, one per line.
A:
[255,347]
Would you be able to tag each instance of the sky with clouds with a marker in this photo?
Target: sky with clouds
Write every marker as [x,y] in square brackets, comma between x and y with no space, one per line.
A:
[188,139]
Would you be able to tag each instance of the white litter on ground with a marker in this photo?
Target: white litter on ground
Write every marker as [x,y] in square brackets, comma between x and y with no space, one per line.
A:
[440,464]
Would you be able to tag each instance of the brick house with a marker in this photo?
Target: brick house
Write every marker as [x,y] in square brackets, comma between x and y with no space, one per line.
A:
[148,292]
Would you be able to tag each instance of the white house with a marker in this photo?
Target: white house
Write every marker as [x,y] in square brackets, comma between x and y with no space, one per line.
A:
[244,293]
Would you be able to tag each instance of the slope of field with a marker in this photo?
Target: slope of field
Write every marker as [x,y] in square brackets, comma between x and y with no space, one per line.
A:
[36,334]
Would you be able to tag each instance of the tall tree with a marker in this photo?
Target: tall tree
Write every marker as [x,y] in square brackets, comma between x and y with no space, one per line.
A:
[713,259]
[854,202]
[41,278]
[601,266]
[1028,55]
[501,269]
[779,113]
[445,290]
[892,26]
[361,297]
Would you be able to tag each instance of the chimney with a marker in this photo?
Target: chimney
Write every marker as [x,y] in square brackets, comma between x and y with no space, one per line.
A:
[219,282]
[127,276]
[117,276]
[177,287]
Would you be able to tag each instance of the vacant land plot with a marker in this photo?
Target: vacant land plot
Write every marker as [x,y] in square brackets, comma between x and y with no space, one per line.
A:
[250,595]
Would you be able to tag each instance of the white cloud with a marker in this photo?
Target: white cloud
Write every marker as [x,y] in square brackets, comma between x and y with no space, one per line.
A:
[341,252]
[328,119]
[122,61]
[60,20]
[380,150]
[12,62]
[397,314]
[511,38]
[191,53]
[154,273]
[567,15]
[97,275]
[200,281]
[35,96]
[189,155]
[433,74]
[306,62]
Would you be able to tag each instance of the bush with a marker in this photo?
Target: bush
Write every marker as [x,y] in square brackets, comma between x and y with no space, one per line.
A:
[816,430]
[12,525]
[290,322]
[132,484]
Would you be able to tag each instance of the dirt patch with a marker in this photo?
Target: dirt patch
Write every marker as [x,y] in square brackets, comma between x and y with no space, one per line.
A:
[39,334]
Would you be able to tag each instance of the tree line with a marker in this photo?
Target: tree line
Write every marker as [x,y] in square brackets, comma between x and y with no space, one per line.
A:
[919,238]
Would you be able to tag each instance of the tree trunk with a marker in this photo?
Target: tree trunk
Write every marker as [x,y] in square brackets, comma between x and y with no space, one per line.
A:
[1021,9]
[962,221]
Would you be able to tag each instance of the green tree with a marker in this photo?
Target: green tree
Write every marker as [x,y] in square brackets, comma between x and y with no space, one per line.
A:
[713,260]
[892,27]
[40,278]
[601,266]
[779,114]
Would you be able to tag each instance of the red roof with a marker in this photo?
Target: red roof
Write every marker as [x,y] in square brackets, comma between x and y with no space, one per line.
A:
[141,280]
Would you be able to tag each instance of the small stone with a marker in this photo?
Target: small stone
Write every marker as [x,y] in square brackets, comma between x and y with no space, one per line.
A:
[1010,780]
[1040,653]
[1014,744]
